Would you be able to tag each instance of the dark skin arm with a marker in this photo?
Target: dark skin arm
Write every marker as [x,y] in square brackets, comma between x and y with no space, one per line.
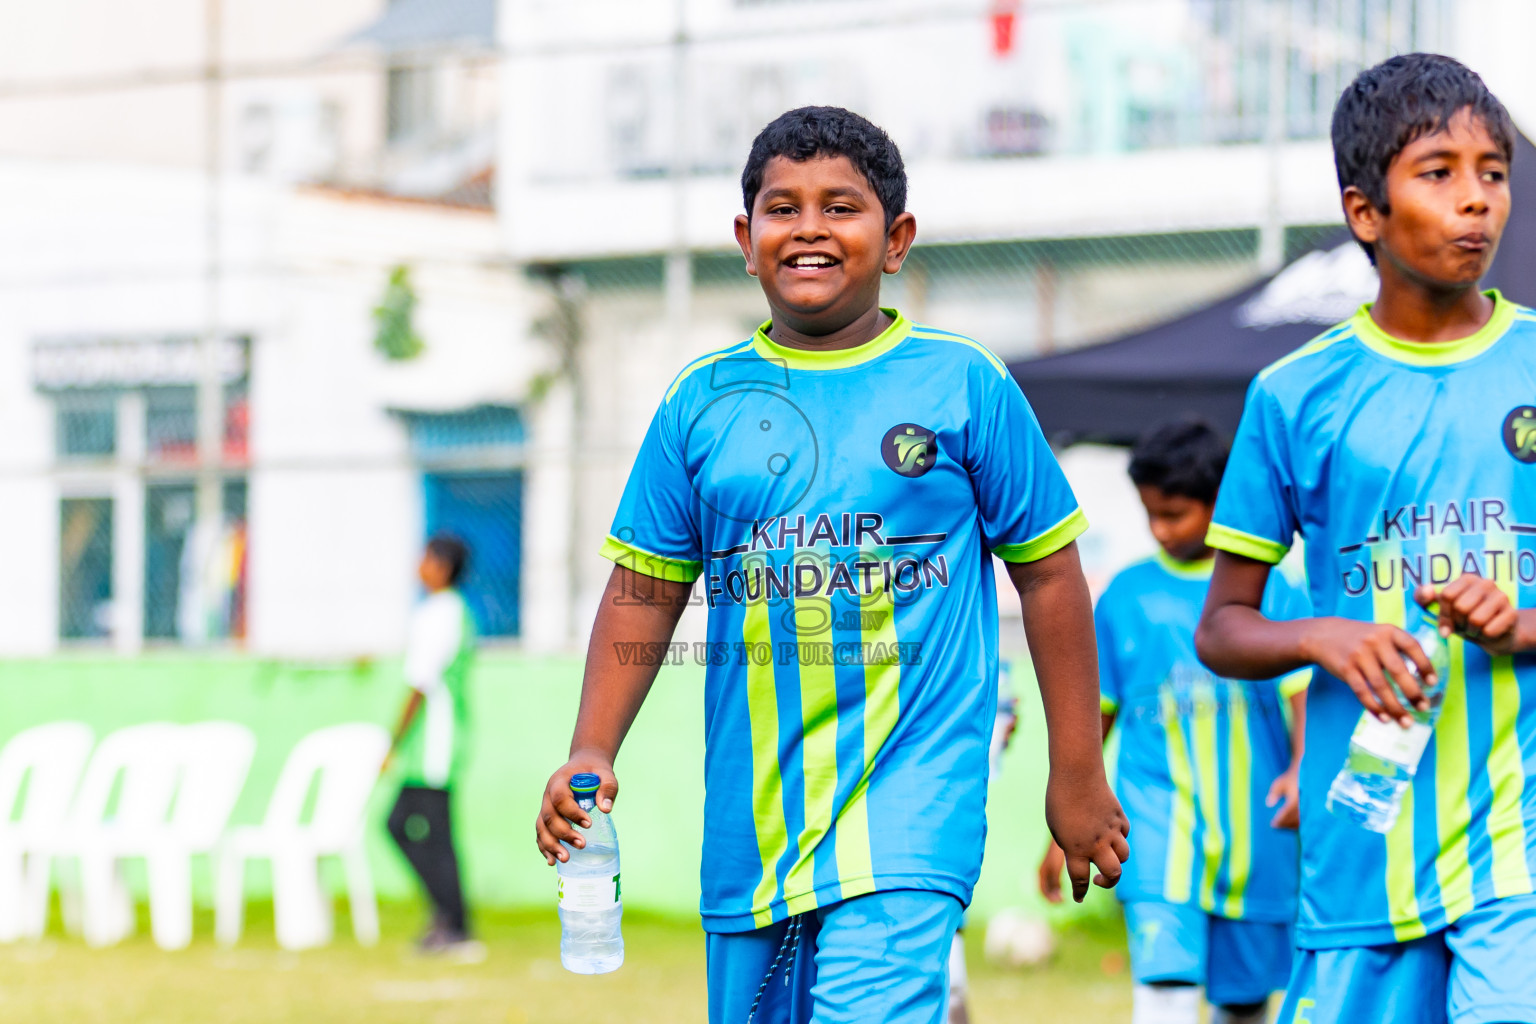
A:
[1235,639]
[1054,859]
[407,716]
[1080,809]
[635,608]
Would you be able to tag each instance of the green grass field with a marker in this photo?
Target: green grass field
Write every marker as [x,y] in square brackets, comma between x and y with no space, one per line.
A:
[61,980]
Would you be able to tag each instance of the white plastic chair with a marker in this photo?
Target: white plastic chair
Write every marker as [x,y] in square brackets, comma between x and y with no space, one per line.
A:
[342,764]
[141,763]
[215,758]
[49,759]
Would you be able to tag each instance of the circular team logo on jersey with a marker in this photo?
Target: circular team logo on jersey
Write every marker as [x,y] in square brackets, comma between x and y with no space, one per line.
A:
[1520,433]
[909,449]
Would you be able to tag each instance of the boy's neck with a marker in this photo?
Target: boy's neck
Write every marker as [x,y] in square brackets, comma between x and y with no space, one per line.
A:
[1412,311]
[861,330]
[1205,554]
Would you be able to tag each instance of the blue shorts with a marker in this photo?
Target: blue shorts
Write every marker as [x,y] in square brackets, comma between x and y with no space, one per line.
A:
[1238,962]
[1476,971]
[871,959]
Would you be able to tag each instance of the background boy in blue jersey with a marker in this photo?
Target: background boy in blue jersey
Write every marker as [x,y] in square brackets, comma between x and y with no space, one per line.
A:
[841,481]
[1392,444]
[1211,894]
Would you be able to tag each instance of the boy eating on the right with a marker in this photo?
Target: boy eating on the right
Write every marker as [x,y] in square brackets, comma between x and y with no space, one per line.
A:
[1400,446]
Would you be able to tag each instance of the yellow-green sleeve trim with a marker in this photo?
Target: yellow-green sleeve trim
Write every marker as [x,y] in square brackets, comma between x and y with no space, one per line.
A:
[1296,682]
[1107,706]
[675,570]
[1048,543]
[1224,538]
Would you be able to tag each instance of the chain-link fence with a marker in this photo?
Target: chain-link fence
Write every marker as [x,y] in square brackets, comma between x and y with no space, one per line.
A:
[248,377]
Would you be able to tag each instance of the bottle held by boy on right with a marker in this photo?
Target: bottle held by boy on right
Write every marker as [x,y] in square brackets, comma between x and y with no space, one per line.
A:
[1384,756]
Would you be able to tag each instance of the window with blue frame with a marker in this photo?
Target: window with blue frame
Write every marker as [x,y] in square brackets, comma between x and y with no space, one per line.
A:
[473,490]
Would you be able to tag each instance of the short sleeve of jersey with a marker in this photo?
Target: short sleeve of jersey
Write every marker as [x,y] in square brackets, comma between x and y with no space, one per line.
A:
[1255,513]
[1108,643]
[654,531]
[1028,510]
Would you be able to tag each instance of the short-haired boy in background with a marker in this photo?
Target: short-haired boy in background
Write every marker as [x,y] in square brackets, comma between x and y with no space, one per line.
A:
[1210,896]
[429,743]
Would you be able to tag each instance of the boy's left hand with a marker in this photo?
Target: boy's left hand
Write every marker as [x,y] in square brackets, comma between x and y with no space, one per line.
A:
[1088,824]
[1475,607]
[1286,792]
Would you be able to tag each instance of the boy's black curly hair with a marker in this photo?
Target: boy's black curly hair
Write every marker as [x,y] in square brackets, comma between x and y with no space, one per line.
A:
[1398,101]
[1184,457]
[808,132]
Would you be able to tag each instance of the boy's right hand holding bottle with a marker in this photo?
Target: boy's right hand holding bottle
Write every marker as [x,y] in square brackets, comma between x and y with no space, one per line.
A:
[559,808]
[1370,656]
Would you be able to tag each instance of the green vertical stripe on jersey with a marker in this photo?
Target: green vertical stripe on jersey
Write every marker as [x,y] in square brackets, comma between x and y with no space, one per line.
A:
[1506,771]
[882,704]
[1453,774]
[1453,767]
[818,720]
[1402,888]
[767,782]
[1239,805]
[1181,824]
[1208,790]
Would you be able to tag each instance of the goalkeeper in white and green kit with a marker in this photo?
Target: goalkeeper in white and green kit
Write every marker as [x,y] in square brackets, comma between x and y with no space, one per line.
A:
[429,741]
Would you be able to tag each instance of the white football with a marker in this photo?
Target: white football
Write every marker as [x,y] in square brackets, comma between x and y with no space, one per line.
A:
[1017,939]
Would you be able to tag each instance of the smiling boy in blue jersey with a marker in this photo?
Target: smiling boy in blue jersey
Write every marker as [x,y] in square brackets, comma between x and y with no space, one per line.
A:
[1210,897]
[1393,445]
[841,481]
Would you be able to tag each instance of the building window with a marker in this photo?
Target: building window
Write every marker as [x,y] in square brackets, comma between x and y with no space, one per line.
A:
[86,425]
[170,424]
[472,489]
[410,103]
[194,580]
[85,568]
[485,511]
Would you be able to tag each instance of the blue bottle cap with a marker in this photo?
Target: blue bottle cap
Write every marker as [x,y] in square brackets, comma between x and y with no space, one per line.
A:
[585,782]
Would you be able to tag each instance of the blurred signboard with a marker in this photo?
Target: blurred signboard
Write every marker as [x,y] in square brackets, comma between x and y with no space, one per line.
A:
[62,364]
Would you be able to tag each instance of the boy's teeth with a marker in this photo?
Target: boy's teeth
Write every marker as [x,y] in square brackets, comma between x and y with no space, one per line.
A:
[812,261]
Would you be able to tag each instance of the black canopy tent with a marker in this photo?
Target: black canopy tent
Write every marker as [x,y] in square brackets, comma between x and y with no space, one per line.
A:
[1203,361]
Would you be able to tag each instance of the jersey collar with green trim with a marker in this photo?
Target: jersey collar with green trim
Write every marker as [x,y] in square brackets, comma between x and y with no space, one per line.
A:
[1435,353]
[833,359]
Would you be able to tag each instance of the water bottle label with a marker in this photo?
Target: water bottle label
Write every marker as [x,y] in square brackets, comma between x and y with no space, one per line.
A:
[1391,742]
[589,893]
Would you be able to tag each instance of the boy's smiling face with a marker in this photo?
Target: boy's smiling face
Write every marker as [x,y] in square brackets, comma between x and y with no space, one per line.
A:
[817,241]
[1448,194]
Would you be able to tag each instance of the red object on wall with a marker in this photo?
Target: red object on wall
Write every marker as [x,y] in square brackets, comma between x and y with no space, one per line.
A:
[1005,23]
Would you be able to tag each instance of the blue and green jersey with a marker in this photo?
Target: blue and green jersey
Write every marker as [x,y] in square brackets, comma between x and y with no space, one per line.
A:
[1197,753]
[839,511]
[1401,463]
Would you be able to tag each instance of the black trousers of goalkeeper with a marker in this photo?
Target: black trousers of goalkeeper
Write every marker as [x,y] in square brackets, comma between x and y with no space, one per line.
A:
[421,824]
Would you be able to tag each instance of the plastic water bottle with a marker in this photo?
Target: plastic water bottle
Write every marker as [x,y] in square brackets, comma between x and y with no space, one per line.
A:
[590,906]
[1383,756]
